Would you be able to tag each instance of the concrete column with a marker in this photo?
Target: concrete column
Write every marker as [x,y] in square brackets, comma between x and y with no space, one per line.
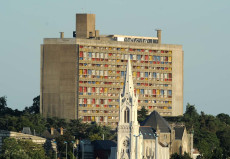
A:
[156,146]
[159,36]
[61,35]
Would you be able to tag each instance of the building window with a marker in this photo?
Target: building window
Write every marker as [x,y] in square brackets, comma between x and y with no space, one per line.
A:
[126,115]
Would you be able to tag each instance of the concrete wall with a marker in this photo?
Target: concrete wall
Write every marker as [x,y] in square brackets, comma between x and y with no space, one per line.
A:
[183,145]
[164,138]
[85,23]
[149,150]
[57,50]
[177,81]
[58,80]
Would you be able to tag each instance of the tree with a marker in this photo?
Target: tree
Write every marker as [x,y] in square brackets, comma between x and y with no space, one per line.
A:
[191,111]
[38,123]
[11,149]
[176,156]
[191,117]
[61,123]
[35,108]
[3,104]
[52,122]
[78,129]
[61,145]
[95,137]
[224,138]
[4,110]
[224,118]
[96,132]
[142,114]
[22,149]
[217,153]
[206,142]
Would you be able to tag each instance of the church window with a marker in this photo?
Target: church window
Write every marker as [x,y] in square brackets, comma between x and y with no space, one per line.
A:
[126,115]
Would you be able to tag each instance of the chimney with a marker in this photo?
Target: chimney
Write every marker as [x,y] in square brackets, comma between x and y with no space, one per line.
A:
[61,35]
[159,36]
[85,26]
[52,131]
[61,130]
[97,32]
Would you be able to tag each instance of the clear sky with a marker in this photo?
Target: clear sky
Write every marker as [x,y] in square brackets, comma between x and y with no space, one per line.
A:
[201,26]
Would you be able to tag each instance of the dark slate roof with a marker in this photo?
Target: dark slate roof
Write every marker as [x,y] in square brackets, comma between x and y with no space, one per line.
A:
[179,131]
[103,144]
[155,120]
[147,132]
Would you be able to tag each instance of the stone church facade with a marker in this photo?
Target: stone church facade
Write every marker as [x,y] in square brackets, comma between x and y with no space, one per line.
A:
[133,141]
[154,134]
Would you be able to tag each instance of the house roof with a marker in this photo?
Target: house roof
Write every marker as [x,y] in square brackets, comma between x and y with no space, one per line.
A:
[179,131]
[18,135]
[147,132]
[103,144]
[156,121]
[26,130]
[47,134]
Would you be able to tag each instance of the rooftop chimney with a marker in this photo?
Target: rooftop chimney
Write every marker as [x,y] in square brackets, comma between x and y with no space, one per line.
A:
[61,130]
[52,131]
[159,36]
[61,35]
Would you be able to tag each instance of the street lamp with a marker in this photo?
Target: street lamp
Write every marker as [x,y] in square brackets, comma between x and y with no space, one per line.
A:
[73,142]
[136,136]
[156,144]
[55,142]
[83,149]
[66,148]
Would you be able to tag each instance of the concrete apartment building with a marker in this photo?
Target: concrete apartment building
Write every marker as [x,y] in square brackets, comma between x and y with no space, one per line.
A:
[82,77]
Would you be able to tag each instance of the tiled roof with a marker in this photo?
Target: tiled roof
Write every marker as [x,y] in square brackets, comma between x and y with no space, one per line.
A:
[155,120]
[103,144]
[147,132]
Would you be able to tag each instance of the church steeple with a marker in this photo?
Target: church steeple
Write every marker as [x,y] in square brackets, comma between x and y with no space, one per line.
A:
[128,89]
[128,101]
[128,125]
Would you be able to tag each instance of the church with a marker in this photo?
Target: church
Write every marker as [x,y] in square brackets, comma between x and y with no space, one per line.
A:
[155,138]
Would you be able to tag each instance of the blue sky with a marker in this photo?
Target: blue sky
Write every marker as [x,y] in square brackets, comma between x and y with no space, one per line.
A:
[202,27]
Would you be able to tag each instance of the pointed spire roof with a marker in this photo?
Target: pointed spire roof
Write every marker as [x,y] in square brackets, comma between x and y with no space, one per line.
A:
[156,121]
[128,84]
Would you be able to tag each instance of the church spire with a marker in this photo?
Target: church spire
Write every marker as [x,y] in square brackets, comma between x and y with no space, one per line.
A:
[128,89]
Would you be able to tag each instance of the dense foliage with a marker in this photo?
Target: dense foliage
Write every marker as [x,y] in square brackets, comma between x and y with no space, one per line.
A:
[142,114]
[176,156]
[15,120]
[211,133]
[22,149]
